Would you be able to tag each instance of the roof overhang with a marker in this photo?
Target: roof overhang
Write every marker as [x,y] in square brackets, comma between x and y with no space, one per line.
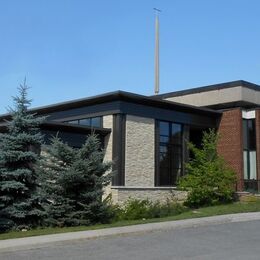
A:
[64,127]
[119,96]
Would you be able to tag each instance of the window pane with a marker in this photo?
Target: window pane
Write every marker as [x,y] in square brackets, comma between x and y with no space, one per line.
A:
[245,165]
[245,134]
[163,149]
[164,128]
[251,135]
[177,162]
[85,121]
[162,157]
[176,129]
[176,173]
[170,153]
[164,139]
[164,160]
[96,121]
[176,133]
[75,122]
[176,149]
[164,176]
[252,162]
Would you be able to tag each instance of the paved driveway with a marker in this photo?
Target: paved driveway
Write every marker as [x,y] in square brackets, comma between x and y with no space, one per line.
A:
[224,241]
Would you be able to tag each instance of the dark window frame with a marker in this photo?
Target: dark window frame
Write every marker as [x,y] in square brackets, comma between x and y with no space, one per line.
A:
[171,146]
[118,155]
[77,121]
[249,143]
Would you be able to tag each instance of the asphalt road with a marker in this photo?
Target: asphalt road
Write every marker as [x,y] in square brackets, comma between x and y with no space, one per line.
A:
[223,241]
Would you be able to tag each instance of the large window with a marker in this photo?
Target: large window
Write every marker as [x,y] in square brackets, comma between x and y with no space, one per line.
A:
[169,153]
[249,139]
[91,121]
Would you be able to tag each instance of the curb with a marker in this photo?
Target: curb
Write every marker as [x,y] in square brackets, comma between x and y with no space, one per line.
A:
[38,241]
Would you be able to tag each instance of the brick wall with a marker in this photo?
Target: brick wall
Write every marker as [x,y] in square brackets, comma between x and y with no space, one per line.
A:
[231,142]
[257,121]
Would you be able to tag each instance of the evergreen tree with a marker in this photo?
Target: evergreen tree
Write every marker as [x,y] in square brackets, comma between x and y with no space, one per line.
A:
[19,205]
[72,181]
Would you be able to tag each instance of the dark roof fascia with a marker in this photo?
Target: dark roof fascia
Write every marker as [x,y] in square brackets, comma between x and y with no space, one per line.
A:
[63,127]
[232,84]
[119,95]
[239,107]
[235,104]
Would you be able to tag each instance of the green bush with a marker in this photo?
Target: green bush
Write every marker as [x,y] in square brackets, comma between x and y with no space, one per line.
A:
[135,209]
[209,180]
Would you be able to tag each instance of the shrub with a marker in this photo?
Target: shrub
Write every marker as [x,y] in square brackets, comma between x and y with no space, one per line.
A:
[135,209]
[209,180]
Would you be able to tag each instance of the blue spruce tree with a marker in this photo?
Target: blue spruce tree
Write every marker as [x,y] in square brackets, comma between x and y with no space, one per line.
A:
[19,153]
[73,181]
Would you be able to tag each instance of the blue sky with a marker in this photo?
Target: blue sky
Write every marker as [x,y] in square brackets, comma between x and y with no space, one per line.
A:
[70,49]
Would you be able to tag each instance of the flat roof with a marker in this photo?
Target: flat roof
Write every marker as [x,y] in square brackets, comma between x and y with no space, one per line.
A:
[231,84]
[117,96]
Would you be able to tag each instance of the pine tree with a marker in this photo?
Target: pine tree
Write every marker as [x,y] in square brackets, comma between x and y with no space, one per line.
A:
[19,205]
[72,182]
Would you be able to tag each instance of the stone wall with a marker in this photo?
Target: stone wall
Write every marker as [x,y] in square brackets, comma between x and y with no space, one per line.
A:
[139,151]
[122,194]
[108,142]
[108,145]
[139,163]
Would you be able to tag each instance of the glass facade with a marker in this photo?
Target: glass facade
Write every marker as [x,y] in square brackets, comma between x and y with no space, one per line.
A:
[92,121]
[249,140]
[169,151]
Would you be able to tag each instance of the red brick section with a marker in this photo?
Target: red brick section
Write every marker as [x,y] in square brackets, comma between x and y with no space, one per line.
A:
[230,145]
[257,122]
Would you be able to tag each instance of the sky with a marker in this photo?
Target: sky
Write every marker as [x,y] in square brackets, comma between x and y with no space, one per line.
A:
[69,49]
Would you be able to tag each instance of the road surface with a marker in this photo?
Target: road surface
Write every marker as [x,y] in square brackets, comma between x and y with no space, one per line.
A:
[223,241]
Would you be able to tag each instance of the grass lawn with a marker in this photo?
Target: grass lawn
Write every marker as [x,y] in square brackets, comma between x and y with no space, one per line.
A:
[237,207]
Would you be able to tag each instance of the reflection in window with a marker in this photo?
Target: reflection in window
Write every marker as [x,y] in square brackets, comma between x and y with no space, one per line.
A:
[245,165]
[92,121]
[86,121]
[96,121]
[252,161]
[170,153]
[75,122]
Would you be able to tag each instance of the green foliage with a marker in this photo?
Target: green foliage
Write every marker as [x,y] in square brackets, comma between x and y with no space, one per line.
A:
[72,182]
[135,209]
[209,180]
[19,204]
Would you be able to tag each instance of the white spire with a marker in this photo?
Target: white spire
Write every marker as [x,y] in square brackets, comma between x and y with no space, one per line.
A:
[156,67]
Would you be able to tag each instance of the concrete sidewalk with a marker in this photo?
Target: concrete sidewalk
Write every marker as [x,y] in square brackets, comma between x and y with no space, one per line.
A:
[39,241]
